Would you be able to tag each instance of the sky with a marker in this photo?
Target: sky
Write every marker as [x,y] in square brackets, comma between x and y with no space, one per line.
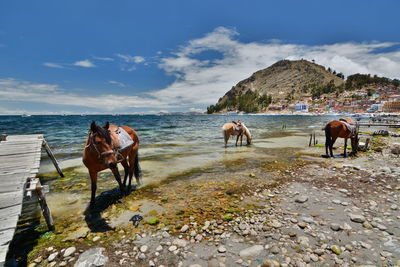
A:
[96,56]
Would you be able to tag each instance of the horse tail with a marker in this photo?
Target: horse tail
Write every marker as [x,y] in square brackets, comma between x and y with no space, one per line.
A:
[137,171]
[328,135]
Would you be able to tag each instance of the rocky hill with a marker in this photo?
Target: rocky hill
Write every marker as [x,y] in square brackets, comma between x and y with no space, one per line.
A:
[284,82]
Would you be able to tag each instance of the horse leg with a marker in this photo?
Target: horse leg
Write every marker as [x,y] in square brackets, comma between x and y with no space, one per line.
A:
[134,167]
[237,139]
[226,138]
[333,140]
[126,170]
[93,179]
[345,147]
[241,139]
[118,178]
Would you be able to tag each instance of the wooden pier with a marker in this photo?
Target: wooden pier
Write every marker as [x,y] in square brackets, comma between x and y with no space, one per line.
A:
[19,163]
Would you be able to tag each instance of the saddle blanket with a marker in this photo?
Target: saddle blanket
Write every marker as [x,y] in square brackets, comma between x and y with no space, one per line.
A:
[124,139]
[350,127]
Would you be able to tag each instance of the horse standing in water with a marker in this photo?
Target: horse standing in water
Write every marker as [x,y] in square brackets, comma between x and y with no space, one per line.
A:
[343,128]
[236,128]
[102,151]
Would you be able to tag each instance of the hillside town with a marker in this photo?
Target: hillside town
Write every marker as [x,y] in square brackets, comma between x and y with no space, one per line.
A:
[371,99]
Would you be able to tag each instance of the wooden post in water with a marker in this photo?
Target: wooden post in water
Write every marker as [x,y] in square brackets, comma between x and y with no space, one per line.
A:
[35,187]
[53,159]
[45,209]
[314,138]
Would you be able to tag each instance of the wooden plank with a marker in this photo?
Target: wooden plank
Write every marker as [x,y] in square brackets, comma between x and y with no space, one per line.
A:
[8,223]
[10,199]
[3,254]
[6,236]
[11,187]
[10,211]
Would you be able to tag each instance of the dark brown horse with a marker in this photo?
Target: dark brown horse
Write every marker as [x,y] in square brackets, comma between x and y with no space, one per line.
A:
[343,128]
[102,152]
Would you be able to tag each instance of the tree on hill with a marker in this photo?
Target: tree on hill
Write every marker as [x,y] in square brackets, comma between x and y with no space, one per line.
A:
[357,81]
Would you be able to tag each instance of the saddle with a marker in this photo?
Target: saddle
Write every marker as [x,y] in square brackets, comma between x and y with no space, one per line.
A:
[121,139]
[350,126]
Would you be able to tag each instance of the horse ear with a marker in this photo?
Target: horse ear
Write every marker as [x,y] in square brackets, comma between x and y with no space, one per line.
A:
[107,125]
[93,127]
[234,122]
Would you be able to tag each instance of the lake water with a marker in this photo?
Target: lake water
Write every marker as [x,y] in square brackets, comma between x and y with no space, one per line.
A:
[169,144]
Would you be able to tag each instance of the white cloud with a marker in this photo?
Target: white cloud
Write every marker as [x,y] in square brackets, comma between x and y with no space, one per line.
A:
[131,59]
[117,83]
[53,65]
[84,63]
[104,58]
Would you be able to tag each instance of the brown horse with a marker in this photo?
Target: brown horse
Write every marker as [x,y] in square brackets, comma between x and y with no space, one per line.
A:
[236,128]
[102,152]
[343,128]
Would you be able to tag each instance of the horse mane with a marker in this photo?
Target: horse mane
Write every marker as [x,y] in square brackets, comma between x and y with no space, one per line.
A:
[103,133]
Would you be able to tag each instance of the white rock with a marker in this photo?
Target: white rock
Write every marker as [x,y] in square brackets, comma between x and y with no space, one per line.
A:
[144,248]
[184,228]
[172,248]
[69,251]
[179,242]
[221,249]
[52,256]
[159,248]
[357,218]
[301,199]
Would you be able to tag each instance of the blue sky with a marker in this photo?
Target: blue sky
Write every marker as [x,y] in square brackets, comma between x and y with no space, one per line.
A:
[127,57]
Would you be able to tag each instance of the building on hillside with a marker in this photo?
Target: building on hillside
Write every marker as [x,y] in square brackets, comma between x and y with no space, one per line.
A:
[375,108]
[301,107]
[391,106]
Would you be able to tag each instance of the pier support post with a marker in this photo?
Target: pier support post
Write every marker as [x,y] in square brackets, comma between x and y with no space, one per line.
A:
[45,209]
[53,159]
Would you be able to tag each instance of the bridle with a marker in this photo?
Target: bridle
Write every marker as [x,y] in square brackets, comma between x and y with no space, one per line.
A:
[101,155]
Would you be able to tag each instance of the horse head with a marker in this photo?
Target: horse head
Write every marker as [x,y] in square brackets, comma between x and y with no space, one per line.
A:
[100,139]
[247,133]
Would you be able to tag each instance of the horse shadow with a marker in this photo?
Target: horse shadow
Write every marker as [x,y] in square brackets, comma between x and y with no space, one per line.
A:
[93,218]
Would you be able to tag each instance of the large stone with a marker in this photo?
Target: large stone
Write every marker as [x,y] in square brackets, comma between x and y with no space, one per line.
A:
[92,257]
[275,224]
[251,251]
[80,233]
[184,228]
[69,251]
[357,218]
[144,248]
[221,249]
[52,256]
[301,199]
[179,242]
